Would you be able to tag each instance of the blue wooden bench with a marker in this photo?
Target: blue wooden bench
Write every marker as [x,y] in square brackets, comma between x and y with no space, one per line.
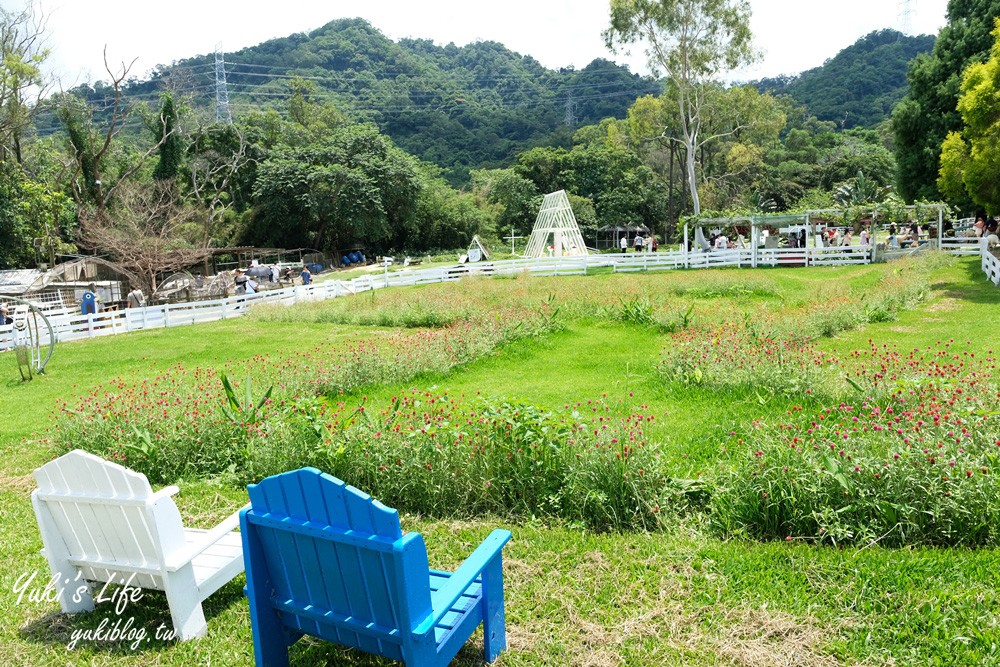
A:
[325,559]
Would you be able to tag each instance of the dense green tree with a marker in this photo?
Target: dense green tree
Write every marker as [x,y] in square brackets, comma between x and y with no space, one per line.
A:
[353,188]
[970,159]
[610,182]
[929,112]
[857,151]
[514,198]
[29,211]
[445,219]
[166,131]
[691,41]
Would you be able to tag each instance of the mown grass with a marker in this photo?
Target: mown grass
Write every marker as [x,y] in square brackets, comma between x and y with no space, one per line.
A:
[676,596]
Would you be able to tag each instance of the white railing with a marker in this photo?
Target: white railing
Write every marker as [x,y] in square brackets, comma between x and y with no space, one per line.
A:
[962,245]
[644,261]
[991,267]
[70,326]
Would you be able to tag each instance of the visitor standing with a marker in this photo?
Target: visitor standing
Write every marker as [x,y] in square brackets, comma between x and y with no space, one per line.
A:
[135,298]
[638,241]
[623,243]
[305,275]
[240,279]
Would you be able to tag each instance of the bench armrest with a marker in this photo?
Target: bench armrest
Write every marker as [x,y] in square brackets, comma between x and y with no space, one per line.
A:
[165,492]
[184,556]
[444,598]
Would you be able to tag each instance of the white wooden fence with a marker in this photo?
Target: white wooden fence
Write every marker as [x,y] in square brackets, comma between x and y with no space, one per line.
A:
[961,245]
[991,267]
[68,326]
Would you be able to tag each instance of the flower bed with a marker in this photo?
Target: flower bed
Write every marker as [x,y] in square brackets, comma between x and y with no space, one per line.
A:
[911,458]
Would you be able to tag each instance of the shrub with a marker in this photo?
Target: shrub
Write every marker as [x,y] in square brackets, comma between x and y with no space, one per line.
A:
[913,460]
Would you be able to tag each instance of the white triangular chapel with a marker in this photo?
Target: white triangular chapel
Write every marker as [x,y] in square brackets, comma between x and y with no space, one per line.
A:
[556,227]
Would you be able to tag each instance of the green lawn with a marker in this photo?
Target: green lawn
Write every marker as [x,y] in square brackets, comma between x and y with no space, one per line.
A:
[679,596]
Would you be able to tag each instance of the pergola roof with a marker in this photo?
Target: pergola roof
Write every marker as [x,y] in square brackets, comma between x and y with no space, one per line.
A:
[775,219]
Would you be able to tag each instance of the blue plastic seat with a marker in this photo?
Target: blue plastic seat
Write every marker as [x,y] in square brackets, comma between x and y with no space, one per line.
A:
[325,559]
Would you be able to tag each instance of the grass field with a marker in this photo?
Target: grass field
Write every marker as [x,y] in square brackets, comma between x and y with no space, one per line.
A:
[682,591]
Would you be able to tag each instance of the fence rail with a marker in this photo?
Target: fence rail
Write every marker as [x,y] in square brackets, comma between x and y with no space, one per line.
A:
[69,326]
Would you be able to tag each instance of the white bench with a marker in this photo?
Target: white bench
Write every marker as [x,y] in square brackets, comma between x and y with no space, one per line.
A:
[101,522]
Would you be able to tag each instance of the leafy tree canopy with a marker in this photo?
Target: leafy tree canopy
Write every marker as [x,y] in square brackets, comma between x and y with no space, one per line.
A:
[970,158]
[924,118]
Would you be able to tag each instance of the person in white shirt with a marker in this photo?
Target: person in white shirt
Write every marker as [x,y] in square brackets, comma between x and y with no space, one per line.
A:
[623,243]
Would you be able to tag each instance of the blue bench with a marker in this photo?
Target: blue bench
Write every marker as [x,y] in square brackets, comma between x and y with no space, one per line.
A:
[325,559]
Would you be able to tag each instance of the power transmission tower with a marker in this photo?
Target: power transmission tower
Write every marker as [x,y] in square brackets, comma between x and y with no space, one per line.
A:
[570,118]
[222,112]
[905,18]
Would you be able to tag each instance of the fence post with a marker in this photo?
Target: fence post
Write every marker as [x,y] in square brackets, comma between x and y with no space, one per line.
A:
[166,315]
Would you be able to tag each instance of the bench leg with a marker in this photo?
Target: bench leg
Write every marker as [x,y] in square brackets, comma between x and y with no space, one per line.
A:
[494,618]
[270,639]
[185,604]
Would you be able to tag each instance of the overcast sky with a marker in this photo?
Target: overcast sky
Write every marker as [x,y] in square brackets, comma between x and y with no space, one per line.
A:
[794,35]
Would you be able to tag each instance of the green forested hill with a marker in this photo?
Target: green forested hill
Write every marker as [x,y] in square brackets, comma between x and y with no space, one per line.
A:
[860,85]
[460,107]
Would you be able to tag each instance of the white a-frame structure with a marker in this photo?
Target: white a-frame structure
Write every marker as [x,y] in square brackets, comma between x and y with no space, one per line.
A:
[555,226]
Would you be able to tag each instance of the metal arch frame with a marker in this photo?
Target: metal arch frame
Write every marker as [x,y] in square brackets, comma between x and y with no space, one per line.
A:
[134,278]
[39,363]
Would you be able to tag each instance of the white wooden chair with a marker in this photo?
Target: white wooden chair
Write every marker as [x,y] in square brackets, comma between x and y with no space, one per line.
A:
[101,522]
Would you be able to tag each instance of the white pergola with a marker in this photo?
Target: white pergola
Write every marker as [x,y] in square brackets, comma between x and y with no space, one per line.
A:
[808,218]
[555,223]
